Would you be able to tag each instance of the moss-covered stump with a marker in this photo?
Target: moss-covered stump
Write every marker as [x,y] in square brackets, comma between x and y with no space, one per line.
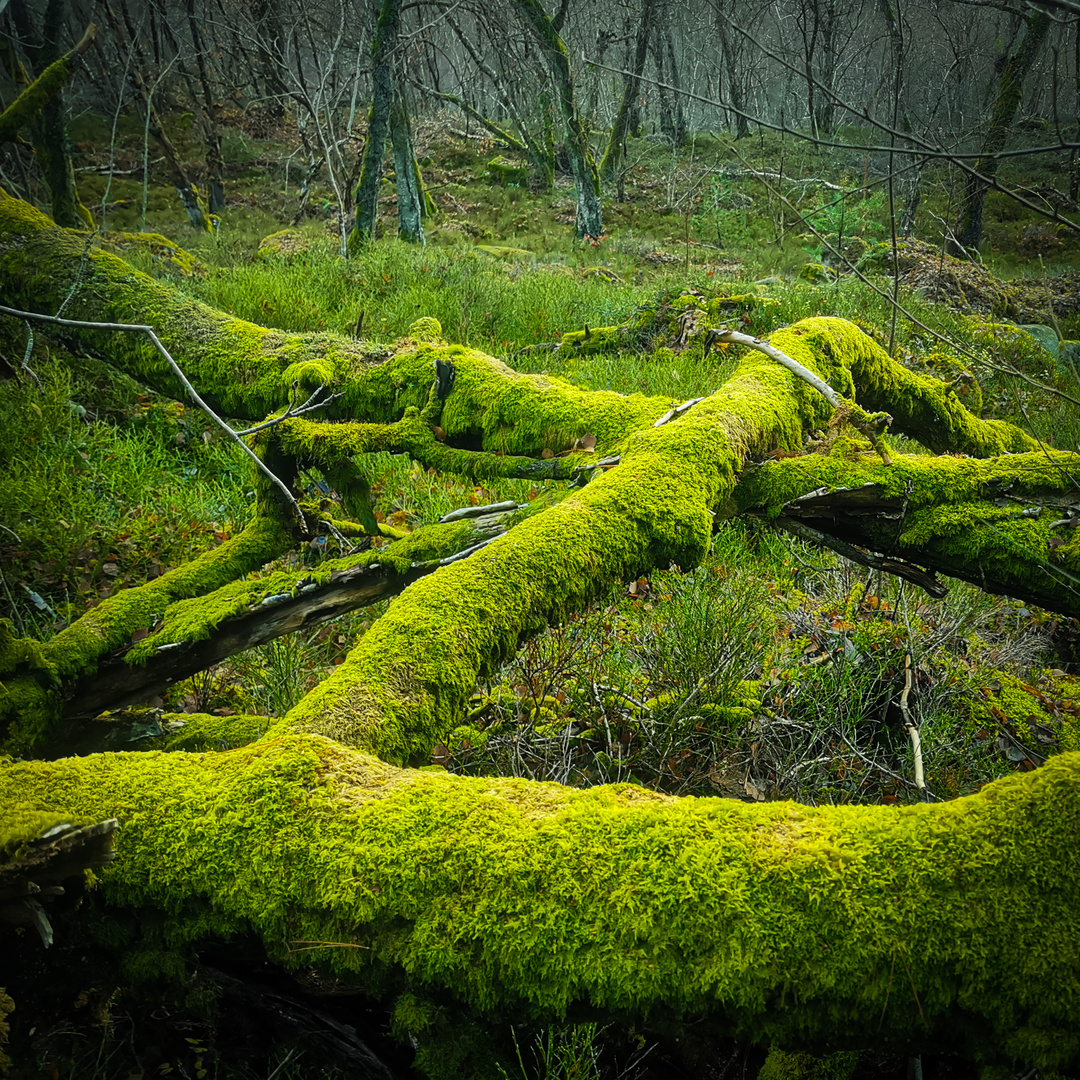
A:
[954,926]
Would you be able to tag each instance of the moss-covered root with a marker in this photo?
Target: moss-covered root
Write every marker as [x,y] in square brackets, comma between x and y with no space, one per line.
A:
[951,925]
[922,407]
[30,697]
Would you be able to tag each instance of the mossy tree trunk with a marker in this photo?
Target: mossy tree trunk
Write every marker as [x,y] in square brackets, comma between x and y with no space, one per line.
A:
[52,144]
[590,215]
[613,153]
[1009,95]
[488,902]
[952,925]
[382,102]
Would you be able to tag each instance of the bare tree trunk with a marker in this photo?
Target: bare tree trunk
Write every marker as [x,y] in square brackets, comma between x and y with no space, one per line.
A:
[1009,93]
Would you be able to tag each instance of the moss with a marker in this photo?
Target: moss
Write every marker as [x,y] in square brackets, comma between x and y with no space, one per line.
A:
[505,173]
[30,701]
[957,925]
[426,329]
[406,683]
[951,513]
[28,105]
[24,822]
[816,272]
[202,732]
[196,618]
[782,1065]
[285,244]
[112,622]
[160,249]
[1031,712]
[7,1007]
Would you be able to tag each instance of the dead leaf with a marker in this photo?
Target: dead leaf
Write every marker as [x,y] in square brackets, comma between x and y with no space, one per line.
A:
[753,790]
[547,454]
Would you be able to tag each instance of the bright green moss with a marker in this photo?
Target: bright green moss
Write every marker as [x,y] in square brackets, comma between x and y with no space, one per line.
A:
[406,683]
[956,924]
[30,699]
[28,105]
[196,618]
[24,822]
[426,329]
[202,732]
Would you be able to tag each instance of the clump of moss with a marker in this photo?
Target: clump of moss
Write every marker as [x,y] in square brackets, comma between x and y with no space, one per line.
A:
[286,244]
[783,1065]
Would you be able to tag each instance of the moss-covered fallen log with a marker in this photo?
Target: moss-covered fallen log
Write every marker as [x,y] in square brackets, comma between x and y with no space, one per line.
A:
[1003,524]
[952,926]
[679,469]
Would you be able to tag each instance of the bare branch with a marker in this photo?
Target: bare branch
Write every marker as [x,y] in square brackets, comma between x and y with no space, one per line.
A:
[79,324]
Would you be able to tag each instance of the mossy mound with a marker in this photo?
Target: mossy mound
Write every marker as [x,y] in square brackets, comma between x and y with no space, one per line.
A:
[972,288]
[285,244]
[501,171]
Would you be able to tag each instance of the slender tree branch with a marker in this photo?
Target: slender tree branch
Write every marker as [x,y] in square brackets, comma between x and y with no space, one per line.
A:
[80,324]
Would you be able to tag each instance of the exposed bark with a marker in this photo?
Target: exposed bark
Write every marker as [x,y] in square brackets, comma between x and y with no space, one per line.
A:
[413,201]
[239,616]
[1009,93]
[662,46]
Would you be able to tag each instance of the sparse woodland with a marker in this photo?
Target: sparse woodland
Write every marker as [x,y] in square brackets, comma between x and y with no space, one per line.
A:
[539,541]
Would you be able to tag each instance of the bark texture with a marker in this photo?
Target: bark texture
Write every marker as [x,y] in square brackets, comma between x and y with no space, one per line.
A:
[590,215]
